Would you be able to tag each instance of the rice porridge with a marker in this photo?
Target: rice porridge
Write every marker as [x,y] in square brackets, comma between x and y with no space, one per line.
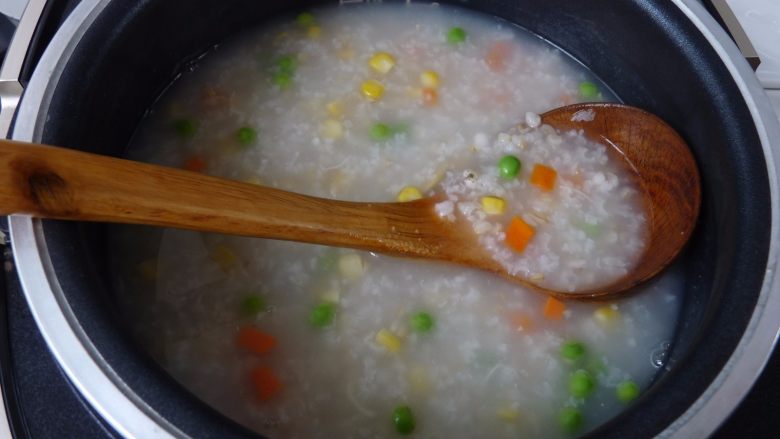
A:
[383,103]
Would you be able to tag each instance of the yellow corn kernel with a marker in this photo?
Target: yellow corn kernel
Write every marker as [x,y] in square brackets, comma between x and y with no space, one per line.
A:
[493,205]
[351,265]
[388,340]
[331,295]
[508,414]
[332,129]
[335,108]
[606,316]
[224,257]
[372,89]
[314,32]
[409,193]
[429,79]
[148,269]
[419,382]
[382,62]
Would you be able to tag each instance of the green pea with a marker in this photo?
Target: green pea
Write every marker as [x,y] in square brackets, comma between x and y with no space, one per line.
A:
[246,136]
[421,322]
[509,167]
[573,351]
[283,80]
[305,19]
[589,90]
[627,391]
[456,35]
[185,128]
[570,419]
[286,64]
[403,419]
[592,231]
[253,305]
[581,384]
[381,131]
[322,315]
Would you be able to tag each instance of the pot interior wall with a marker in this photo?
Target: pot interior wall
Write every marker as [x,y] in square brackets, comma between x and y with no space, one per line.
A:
[645,50]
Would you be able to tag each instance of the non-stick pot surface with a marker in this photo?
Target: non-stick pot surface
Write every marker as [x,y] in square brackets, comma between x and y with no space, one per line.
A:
[650,54]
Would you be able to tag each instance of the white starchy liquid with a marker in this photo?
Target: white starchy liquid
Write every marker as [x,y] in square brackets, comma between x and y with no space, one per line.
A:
[491,365]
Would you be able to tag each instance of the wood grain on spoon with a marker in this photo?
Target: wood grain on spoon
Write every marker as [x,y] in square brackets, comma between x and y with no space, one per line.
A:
[58,183]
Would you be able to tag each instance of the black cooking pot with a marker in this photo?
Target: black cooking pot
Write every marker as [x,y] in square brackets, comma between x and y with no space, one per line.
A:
[650,53]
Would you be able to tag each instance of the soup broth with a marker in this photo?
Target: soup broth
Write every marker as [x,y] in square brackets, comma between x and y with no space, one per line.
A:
[378,103]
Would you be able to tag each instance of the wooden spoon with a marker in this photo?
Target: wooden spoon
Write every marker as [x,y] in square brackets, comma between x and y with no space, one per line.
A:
[58,183]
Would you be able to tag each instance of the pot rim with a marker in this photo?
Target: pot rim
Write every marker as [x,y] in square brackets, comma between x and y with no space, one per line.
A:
[131,416]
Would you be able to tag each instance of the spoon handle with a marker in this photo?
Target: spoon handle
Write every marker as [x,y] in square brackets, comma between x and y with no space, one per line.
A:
[58,183]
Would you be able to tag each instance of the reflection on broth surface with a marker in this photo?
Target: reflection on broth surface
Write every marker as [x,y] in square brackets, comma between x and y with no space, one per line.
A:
[377,102]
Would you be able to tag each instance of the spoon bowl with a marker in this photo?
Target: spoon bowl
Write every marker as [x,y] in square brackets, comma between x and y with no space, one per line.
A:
[51,182]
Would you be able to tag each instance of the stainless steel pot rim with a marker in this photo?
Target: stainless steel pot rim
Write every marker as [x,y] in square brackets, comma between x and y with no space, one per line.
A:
[132,417]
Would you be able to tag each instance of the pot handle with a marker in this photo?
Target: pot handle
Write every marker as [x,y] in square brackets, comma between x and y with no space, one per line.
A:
[10,73]
[721,11]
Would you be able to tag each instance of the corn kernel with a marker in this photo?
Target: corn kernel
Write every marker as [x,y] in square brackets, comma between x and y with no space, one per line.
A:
[493,205]
[314,32]
[388,340]
[606,316]
[332,129]
[508,414]
[335,108]
[419,382]
[429,79]
[148,269]
[382,62]
[351,265]
[331,295]
[409,193]
[373,89]
[224,257]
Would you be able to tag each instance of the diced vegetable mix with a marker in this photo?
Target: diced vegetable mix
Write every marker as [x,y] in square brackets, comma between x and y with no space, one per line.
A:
[322,315]
[456,35]
[382,62]
[606,316]
[589,90]
[493,205]
[381,132]
[409,193]
[388,340]
[185,128]
[246,136]
[570,419]
[430,79]
[553,309]
[421,322]
[253,305]
[519,234]
[430,97]
[543,177]
[509,167]
[195,164]
[351,265]
[266,383]
[284,71]
[573,351]
[581,384]
[627,391]
[403,420]
[372,89]
[255,340]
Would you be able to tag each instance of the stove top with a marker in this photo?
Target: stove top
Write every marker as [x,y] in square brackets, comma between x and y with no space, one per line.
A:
[41,403]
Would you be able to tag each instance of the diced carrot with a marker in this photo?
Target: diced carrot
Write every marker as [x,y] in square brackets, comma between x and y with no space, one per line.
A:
[498,55]
[521,322]
[267,385]
[519,234]
[195,164]
[429,97]
[553,309]
[543,177]
[256,341]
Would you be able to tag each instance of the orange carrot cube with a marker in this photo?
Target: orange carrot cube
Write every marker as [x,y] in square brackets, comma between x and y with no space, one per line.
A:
[519,234]
[543,177]
[256,341]
[267,385]
[553,309]
[429,97]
